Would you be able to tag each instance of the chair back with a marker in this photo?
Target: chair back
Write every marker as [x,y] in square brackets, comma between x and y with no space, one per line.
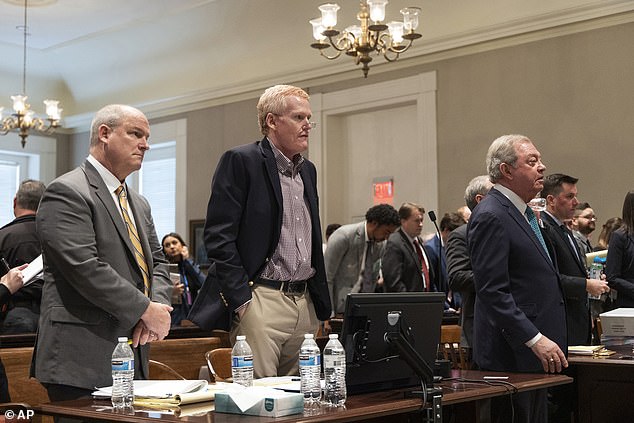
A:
[451,349]
[219,364]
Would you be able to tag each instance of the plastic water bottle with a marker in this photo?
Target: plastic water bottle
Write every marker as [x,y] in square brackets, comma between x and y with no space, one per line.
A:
[310,369]
[242,362]
[335,372]
[122,374]
[596,269]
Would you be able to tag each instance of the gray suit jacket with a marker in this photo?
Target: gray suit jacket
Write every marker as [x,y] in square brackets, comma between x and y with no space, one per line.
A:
[344,259]
[93,287]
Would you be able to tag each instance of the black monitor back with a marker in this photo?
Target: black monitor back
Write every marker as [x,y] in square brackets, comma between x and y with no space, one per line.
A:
[372,364]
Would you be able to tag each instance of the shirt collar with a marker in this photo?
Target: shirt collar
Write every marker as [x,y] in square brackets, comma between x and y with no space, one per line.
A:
[513,198]
[286,166]
[111,181]
[557,221]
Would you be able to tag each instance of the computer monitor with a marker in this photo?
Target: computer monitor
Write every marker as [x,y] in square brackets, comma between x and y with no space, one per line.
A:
[387,335]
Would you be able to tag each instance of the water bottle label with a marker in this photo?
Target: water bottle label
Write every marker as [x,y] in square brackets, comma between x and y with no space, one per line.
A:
[244,361]
[330,361]
[308,360]
[120,365]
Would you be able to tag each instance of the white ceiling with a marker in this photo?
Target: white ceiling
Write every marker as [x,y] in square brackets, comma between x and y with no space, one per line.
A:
[88,53]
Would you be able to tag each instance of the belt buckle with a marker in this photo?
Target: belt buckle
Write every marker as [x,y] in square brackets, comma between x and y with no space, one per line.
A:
[292,288]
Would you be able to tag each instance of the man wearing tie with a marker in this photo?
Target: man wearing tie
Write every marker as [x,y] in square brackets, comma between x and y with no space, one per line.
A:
[520,316]
[105,275]
[560,192]
[405,264]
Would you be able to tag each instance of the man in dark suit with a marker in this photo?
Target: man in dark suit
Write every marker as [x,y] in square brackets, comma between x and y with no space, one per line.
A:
[459,264]
[520,316]
[405,264]
[263,239]
[560,192]
[99,283]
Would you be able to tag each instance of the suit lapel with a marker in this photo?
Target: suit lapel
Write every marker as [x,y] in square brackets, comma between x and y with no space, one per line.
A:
[272,172]
[522,223]
[101,191]
[562,236]
[135,203]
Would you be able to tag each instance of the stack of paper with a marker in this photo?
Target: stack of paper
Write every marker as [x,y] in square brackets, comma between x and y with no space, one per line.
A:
[169,393]
[589,350]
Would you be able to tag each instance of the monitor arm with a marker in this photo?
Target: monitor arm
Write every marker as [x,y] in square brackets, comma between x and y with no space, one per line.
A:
[396,336]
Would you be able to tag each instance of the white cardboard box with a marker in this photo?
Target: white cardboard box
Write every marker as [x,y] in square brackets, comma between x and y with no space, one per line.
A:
[277,404]
[619,322]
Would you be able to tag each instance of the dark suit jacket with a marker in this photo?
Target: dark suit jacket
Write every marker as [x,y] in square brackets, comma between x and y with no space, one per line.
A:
[434,251]
[401,266]
[517,286]
[620,267]
[93,286]
[573,281]
[242,230]
[461,279]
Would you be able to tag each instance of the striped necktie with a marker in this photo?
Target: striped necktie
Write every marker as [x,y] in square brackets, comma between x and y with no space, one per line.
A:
[134,238]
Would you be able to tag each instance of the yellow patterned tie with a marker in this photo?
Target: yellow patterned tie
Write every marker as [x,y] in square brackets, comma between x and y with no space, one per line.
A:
[134,237]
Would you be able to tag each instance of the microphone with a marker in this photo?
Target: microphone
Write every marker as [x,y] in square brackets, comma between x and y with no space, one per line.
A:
[432,217]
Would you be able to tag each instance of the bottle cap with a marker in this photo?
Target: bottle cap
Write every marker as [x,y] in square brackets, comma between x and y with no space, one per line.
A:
[333,336]
[241,338]
[122,339]
[309,336]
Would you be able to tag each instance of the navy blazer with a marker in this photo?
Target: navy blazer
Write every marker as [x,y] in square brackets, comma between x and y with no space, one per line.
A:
[573,276]
[517,286]
[242,230]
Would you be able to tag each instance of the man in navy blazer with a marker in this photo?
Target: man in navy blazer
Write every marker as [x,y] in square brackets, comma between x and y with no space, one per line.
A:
[520,316]
[263,238]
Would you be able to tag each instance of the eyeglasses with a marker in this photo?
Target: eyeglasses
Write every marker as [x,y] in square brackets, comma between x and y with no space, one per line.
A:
[591,217]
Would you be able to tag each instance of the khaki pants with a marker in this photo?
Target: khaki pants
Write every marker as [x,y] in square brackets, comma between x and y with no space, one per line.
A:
[274,325]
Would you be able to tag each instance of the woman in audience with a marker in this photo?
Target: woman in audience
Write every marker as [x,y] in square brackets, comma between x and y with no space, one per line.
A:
[611,225]
[620,261]
[189,279]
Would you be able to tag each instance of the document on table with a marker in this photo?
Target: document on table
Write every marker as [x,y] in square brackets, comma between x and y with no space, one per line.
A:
[169,392]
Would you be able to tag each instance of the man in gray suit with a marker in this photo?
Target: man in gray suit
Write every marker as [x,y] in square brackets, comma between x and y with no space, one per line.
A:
[353,254]
[105,275]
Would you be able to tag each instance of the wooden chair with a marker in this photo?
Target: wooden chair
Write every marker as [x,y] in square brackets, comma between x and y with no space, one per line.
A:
[450,347]
[184,356]
[219,364]
[161,371]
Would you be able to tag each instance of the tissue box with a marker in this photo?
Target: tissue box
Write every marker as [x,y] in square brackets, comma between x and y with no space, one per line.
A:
[280,404]
[619,322]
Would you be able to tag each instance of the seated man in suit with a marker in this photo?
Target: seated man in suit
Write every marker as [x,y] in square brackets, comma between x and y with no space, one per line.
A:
[406,263]
[353,254]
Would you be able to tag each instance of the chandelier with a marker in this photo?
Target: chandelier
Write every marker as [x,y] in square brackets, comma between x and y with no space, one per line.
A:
[23,119]
[360,41]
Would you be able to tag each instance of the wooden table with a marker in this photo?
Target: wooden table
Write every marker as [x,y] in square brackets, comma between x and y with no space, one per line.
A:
[464,397]
[605,386]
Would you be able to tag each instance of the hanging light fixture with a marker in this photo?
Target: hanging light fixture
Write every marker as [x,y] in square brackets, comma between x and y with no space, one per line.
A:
[371,36]
[23,119]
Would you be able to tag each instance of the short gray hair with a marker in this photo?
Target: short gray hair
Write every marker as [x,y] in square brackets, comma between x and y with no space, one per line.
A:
[478,185]
[29,194]
[111,115]
[502,150]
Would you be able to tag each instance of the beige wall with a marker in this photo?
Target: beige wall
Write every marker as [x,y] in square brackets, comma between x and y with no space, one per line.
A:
[573,95]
